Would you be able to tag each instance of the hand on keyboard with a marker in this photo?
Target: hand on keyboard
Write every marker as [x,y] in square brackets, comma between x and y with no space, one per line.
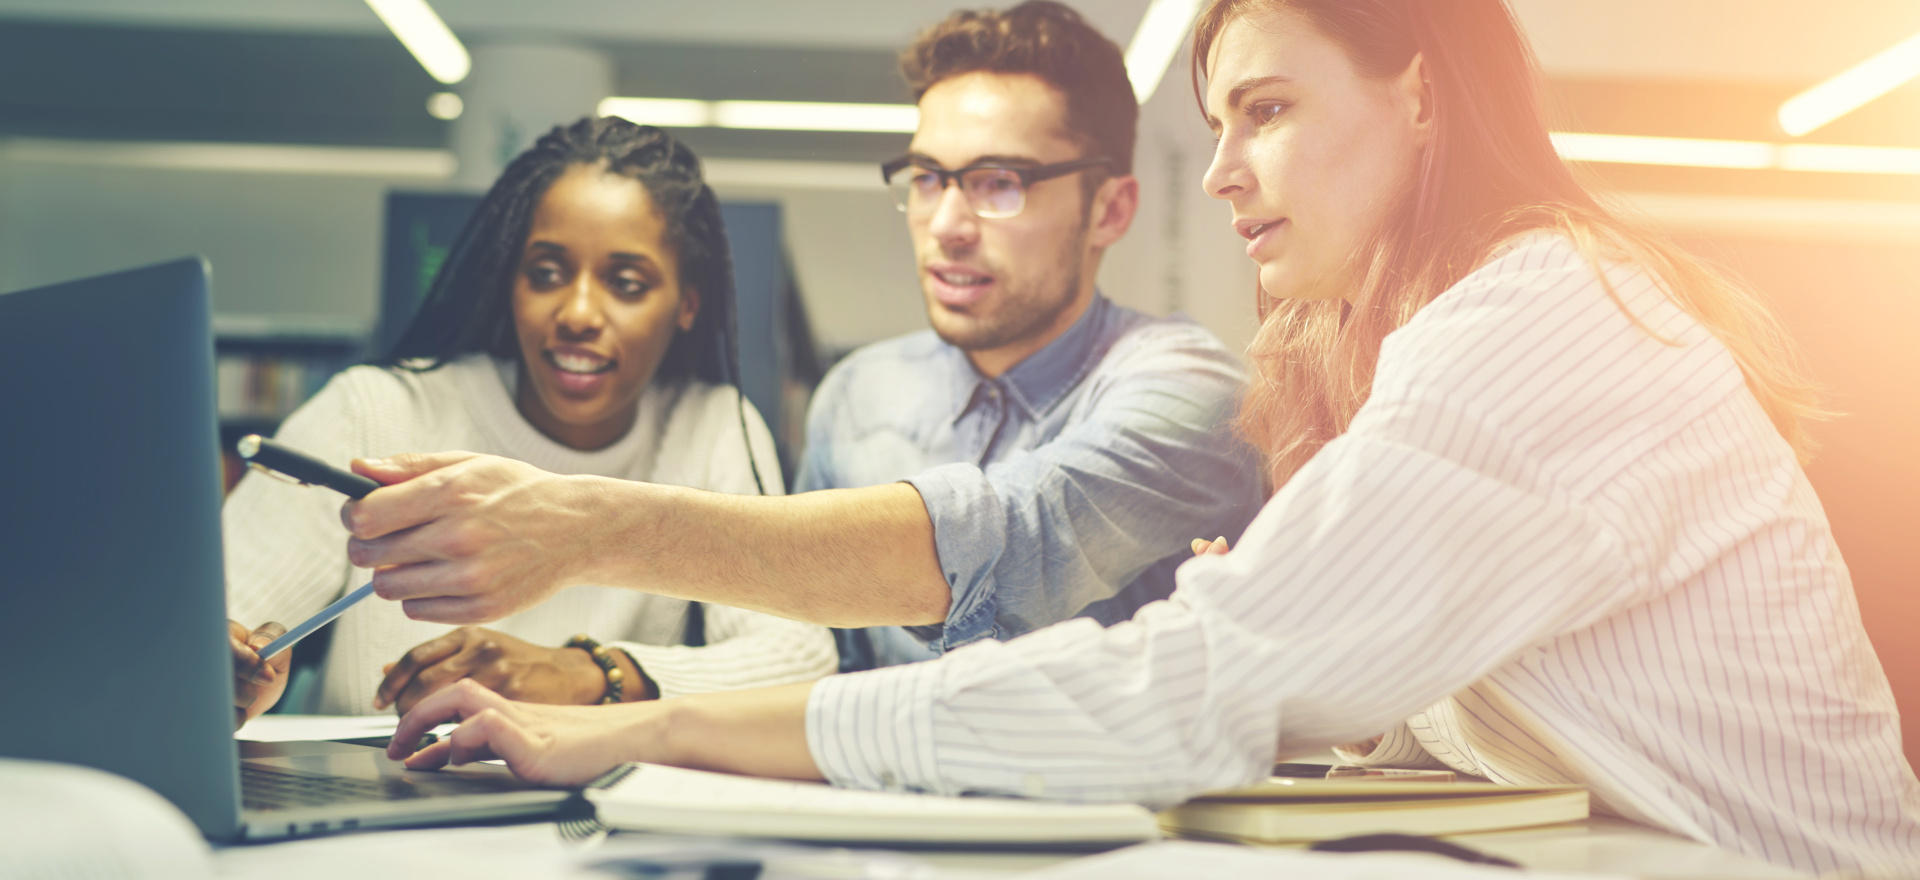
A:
[550,745]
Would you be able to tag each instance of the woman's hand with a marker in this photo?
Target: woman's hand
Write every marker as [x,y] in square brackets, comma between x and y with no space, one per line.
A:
[1215,547]
[549,745]
[513,668]
[458,537]
[257,684]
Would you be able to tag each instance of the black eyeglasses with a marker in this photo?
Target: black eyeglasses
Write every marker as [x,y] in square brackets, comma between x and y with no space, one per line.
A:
[992,191]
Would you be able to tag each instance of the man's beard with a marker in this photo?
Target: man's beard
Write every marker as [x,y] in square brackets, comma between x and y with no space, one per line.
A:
[1021,312]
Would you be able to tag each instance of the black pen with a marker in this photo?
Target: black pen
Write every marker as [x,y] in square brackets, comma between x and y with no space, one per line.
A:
[274,458]
[267,455]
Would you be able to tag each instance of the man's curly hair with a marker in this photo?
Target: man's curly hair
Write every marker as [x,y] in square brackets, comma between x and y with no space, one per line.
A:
[1047,40]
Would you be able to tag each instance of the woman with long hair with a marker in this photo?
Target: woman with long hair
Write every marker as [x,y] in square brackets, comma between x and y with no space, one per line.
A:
[1540,512]
[584,323]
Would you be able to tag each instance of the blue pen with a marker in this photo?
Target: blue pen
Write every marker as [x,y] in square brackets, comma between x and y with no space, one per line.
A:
[317,621]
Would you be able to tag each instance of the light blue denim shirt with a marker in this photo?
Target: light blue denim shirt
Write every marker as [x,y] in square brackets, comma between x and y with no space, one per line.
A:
[1069,486]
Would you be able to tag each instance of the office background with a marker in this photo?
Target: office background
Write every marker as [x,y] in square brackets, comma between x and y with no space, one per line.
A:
[269,134]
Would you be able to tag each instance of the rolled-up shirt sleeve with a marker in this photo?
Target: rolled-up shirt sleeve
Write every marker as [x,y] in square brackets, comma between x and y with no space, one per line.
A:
[1036,537]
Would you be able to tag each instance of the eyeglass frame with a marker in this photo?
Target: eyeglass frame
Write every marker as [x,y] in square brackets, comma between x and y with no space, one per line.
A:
[1028,175]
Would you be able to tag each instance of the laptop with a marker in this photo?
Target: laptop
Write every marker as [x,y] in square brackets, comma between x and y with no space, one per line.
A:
[113,633]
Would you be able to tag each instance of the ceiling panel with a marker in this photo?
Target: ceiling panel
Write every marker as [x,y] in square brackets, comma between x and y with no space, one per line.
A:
[841,23]
[1732,40]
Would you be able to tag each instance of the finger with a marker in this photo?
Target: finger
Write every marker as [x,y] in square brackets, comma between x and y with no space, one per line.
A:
[472,740]
[1219,547]
[466,610]
[423,545]
[247,665]
[400,673]
[404,500]
[417,581]
[452,704]
[407,465]
[264,636]
[1200,546]
[404,547]
[433,757]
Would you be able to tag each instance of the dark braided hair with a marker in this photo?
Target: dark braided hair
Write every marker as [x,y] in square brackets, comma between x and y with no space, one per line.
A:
[469,307]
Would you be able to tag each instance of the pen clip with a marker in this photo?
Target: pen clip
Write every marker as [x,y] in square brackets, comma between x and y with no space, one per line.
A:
[276,474]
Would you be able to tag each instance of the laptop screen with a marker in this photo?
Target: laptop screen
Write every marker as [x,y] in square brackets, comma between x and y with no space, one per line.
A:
[113,634]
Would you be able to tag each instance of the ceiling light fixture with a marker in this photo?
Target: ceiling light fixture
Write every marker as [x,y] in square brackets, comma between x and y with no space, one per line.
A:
[445,105]
[1755,155]
[766,115]
[427,37]
[1162,31]
[1851,88]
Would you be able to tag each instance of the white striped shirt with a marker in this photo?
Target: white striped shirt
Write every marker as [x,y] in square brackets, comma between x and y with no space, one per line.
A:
[1565,549]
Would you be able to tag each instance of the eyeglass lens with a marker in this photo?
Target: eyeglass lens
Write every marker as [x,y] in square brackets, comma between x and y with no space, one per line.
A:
[991,192]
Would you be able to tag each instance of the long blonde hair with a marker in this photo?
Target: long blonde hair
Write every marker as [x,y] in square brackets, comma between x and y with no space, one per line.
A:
[1489,174]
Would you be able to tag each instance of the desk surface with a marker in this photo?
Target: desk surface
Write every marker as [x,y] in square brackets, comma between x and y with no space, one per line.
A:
[1599,846]
[522,852]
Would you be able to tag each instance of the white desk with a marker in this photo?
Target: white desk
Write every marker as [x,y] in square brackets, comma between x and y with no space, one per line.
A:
[1599,846]
[532,852]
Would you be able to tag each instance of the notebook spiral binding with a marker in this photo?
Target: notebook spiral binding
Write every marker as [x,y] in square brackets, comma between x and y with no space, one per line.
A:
[613,777]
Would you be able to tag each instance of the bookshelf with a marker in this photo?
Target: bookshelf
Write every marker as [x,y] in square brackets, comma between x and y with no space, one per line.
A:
[266,366]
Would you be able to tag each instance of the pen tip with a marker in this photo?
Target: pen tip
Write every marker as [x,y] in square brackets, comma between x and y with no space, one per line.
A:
[248,446]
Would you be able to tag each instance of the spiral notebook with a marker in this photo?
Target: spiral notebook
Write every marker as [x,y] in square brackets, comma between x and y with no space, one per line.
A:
[650,797]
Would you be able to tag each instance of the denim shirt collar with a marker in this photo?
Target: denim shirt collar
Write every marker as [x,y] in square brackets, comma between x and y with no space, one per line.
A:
[1039,381]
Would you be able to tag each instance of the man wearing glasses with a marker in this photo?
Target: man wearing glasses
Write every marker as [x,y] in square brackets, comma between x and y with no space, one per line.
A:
[1040,454]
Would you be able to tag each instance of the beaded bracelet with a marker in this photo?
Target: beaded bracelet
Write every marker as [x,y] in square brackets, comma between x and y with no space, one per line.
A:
[603,658]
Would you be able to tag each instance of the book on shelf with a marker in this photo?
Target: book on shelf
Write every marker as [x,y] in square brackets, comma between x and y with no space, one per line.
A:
[261,386]
[1291,810]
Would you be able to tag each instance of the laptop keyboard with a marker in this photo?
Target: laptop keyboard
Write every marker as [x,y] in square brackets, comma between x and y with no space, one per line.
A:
[270,788]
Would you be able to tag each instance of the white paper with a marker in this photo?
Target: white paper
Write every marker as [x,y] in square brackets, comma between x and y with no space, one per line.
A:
[299,728]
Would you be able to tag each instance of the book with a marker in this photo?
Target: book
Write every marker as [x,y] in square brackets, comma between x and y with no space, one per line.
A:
[1283,810]
[649,797]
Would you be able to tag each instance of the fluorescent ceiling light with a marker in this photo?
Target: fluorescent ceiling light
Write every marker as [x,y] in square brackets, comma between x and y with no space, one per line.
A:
[1583,147]
[1161,33]
[1858,160]
[445,105]
[427,37]
[806,116]
[769,115]
[1699,153]
[670,112]
[1851,88]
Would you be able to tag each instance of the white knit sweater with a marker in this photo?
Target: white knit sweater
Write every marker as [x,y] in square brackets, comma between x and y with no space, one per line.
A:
[286,549]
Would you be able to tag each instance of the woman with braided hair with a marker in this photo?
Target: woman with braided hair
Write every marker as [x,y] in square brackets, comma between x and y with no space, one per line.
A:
[583,323]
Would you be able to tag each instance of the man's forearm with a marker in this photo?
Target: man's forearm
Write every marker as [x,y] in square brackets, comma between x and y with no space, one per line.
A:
[840,557]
